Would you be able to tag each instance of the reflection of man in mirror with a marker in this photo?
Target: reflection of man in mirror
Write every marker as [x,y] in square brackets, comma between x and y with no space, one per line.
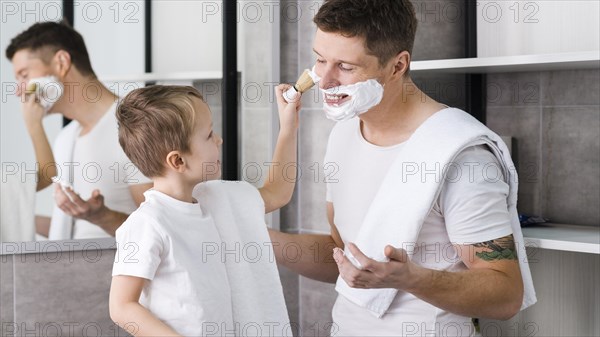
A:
[100,186]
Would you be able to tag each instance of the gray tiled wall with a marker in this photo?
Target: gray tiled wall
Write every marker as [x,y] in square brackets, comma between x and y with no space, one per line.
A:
[316,300]
[441,29]
[6,293]
[440,35]
[555,119]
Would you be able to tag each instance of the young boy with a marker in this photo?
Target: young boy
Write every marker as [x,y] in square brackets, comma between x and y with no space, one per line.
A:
[164,283]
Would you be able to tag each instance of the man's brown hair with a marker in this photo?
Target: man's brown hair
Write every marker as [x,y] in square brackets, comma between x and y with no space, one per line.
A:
[388,26]
[154,121]
[46,38]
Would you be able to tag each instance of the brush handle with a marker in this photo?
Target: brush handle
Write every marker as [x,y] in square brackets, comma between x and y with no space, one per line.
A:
[290,94]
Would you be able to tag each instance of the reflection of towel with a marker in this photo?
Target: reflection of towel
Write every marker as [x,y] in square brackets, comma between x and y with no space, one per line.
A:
[61,224]
[405,199]
[256,292]
[17,207]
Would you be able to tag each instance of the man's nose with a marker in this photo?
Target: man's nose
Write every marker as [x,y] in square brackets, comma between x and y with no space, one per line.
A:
[328,78]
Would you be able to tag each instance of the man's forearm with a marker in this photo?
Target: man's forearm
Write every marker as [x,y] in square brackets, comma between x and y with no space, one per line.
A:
[309,255]
[484,293]
[42,225]
[108,220]
[43,155]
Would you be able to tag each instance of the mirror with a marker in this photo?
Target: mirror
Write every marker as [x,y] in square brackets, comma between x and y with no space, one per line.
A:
[186,48]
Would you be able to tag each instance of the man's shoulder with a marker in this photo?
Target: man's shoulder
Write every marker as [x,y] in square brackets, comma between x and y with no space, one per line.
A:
[481,154]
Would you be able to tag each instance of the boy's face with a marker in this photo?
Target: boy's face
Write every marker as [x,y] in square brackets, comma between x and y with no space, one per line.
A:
[203,159]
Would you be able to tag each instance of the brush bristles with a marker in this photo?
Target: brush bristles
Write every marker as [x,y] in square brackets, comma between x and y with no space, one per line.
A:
[31,88]
[304,83]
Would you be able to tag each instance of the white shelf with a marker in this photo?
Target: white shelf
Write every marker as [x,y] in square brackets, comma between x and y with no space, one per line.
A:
[165,77]
[542,62]
[569,238]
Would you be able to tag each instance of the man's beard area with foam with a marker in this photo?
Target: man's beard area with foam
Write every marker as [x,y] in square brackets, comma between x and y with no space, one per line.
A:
[48,90]
[363,96]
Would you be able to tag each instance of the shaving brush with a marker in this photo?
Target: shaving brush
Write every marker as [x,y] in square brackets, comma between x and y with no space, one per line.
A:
[31,88]
[305,82]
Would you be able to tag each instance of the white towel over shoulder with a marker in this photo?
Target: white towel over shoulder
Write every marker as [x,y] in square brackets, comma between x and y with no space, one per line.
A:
[61,224]
[256,292]
[405,198]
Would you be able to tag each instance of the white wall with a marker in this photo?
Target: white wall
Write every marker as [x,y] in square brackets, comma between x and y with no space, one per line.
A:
[114,35]
[537,27]
[187,35]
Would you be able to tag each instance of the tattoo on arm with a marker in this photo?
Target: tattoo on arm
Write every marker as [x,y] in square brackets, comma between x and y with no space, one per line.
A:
[497,249]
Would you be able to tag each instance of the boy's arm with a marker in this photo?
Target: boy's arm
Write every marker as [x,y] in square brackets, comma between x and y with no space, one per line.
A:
[279,186]
[129,314]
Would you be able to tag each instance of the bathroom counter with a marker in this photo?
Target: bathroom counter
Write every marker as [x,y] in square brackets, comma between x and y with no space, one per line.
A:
[47,246]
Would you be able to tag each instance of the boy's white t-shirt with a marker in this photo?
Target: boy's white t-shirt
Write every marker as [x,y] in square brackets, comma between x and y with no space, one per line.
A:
[171,243]
[100,163]
[471,208]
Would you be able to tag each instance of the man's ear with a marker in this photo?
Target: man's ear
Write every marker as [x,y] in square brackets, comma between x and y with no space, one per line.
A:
[175,161]
[401,62]
[62,63]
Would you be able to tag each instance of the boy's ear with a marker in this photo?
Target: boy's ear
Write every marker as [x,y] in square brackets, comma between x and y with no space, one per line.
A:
[175,161]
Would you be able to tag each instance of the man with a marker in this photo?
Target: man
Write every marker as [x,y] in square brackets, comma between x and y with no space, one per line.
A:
[457,270]
[106,187]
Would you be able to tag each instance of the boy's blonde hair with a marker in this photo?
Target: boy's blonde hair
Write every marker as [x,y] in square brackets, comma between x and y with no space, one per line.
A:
[154,121]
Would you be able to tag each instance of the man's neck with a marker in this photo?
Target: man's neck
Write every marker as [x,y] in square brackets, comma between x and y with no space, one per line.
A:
[88,102]
[395,120]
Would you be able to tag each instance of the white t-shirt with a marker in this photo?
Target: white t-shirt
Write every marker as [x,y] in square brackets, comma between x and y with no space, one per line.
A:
[100,163]
[165,241]
[471,208]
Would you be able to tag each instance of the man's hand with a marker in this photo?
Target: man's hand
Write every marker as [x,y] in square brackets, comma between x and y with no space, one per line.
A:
[71,203]
[398,273]
[33,112]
